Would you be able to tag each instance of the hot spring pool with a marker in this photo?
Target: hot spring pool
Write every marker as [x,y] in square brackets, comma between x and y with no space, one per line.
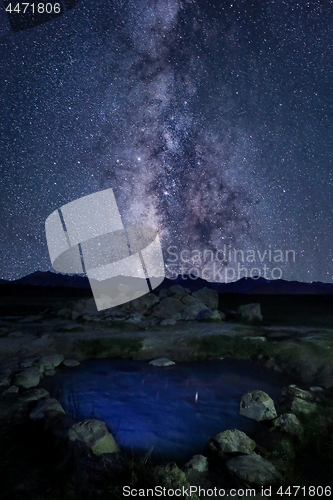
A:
[169,412]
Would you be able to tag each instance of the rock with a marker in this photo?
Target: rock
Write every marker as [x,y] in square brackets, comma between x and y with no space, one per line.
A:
[136,318]
[249,313]
[46,405]
[208,314]
[89,307]
[64,313]
[75,315]
[15,335]
[70,362]
[95,435]
[30,377]
[293,390]
[103,301]
[167,308]
[257,405]
[208,296]
[198,463]
[316,389]
[144,303]
[217,315]
[289,423]
[163,294]
[161,362]
[177,292]
[302,407]
[26,364]
[42,341]
[5,379]
[254,469]
[117,313]
[35,394]
[49,373]
[191,312]
[231,441]
[170,321]
[13,389]
[177,316]
[71,327]
[52,360]
[32,318]
[188,300]
[204,314]
[79,306]
[171,477]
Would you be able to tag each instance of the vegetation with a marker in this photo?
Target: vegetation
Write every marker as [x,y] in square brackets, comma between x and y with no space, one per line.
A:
[102,348]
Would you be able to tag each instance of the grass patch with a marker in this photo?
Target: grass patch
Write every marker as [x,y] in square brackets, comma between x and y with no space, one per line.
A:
[288,355]
[102,348]
[124,326]
[224,345]
[318,430]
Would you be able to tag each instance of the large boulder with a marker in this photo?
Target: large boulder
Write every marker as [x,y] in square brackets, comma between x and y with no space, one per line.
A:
[208,296]
[35,394]
[191,312]
[289,423]
[44,406]
[249,313]
[163,294]
[89,307]
[294,391]
[177,291]
[94,434]
[257,405]
[168,308]
[144,303]
[254,470]
[189,300]
[50,361]
[231,441]
[301,406]
[30,377]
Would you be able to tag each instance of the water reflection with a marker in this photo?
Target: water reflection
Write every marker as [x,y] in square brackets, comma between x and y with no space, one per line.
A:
[170,412]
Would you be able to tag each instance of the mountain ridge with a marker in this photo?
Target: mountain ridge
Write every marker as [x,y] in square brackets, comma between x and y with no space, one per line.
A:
[251,286]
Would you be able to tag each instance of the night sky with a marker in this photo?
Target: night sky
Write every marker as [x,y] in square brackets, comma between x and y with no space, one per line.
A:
[211,121]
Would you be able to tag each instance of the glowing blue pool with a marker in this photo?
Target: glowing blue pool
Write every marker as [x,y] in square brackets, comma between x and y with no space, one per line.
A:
[170,412]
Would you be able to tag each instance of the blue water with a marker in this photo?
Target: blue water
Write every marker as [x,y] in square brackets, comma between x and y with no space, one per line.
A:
[168,412]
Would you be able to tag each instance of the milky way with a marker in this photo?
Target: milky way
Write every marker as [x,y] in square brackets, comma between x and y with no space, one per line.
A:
[210,120]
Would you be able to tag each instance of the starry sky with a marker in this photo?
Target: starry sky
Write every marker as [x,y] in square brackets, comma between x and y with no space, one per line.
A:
[211,121]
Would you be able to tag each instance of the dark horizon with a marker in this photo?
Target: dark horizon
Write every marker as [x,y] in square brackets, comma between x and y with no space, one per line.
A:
[245,285]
